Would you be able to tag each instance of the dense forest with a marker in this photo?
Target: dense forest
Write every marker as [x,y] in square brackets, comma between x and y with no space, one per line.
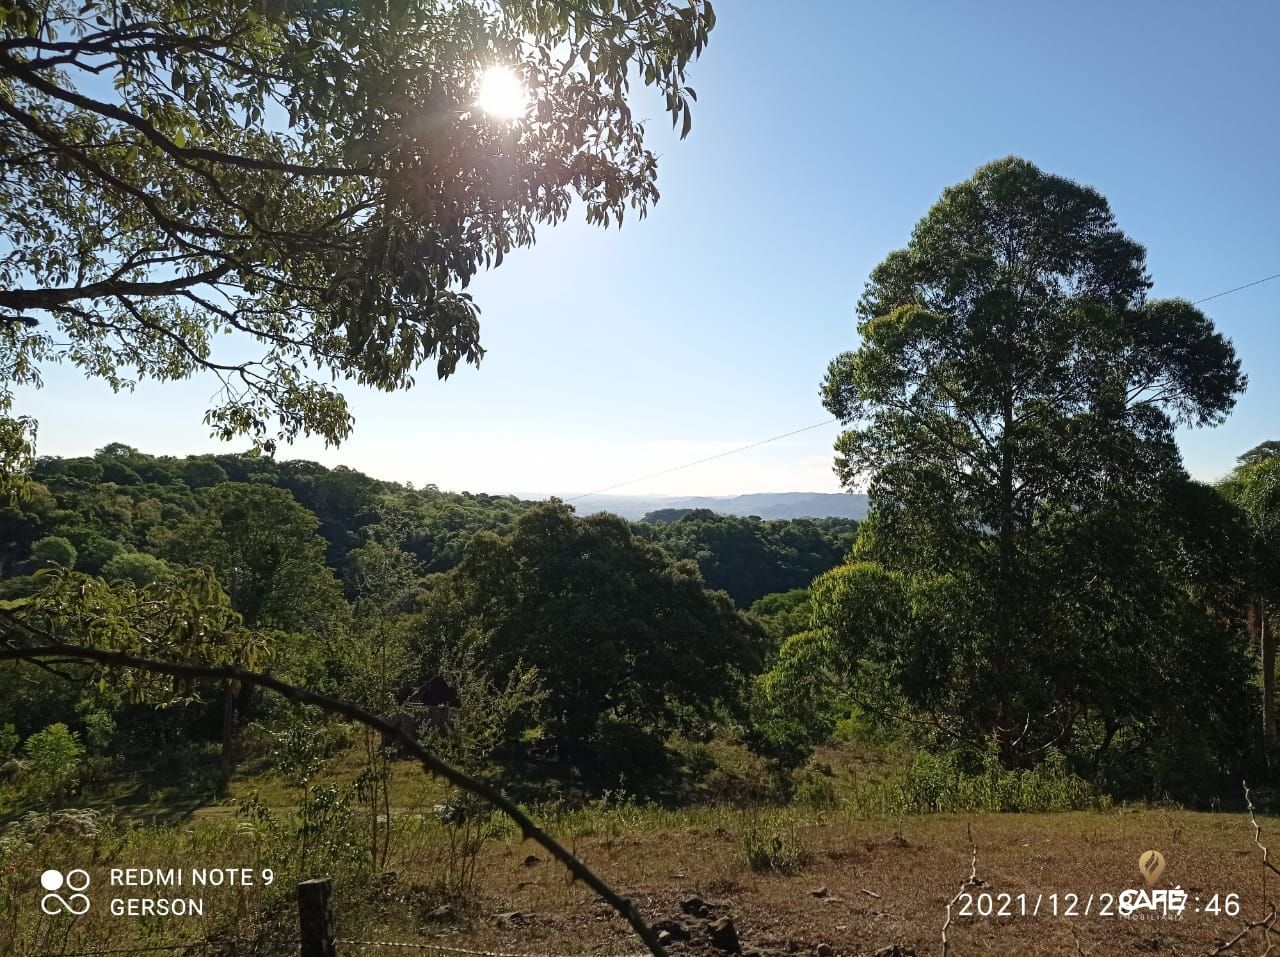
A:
[688,624]
[1039,583]
[327,563]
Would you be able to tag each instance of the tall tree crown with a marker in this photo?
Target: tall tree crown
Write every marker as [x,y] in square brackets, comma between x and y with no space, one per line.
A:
[1011,359]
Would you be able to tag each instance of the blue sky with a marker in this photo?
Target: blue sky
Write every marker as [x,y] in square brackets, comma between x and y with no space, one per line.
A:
[823,132]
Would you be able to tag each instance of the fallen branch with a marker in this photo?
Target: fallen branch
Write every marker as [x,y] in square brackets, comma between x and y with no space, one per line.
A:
[1268,922]
[1257,832]
[432,763]
[973,880]
[1080,951]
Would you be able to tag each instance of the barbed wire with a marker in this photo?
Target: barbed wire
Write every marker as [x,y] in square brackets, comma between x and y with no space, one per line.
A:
[466,952]
[205,943]
[224,943]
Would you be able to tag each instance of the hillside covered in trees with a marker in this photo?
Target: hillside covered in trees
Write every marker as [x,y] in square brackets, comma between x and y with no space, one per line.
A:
[122,512]
[371,589]
[329,564]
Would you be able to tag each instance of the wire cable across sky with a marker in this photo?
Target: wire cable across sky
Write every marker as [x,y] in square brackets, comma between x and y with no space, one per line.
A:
[1248,285]
[709,458]
[818,425]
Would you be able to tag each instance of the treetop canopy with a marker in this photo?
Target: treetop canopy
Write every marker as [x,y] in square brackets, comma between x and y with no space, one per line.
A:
[312,179]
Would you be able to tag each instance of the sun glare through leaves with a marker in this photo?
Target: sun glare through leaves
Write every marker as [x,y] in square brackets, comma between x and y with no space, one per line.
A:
[502,95]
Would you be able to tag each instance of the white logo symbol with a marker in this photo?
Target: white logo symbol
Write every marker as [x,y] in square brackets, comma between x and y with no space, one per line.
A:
[76,880]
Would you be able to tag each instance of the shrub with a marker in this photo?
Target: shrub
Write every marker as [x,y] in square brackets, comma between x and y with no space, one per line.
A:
[100,736]
[770,848]
[54,757]
[816,789]
[318,833]
[939,783]
[137,567]
[53,551]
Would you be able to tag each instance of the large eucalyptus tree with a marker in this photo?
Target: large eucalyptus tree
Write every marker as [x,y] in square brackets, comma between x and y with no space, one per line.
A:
[1011,408]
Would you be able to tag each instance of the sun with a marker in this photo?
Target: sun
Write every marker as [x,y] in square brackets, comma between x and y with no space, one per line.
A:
[502,95]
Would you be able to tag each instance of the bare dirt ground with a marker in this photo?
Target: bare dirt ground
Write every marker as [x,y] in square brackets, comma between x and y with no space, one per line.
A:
[872,886]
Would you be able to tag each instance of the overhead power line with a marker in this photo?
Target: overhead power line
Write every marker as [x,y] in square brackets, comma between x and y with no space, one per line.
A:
[818,425]
[709,458]
[1219,295]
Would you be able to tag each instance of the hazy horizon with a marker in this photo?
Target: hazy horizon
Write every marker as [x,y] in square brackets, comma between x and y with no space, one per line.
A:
[501,486]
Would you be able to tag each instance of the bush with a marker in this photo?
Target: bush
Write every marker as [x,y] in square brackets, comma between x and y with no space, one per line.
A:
[100,736]
[30,844]
[816,789]
[137,567]
[319,832]
[54,756]
[773,849]
[725,771]
[53,551]
[630,758]
[939,783]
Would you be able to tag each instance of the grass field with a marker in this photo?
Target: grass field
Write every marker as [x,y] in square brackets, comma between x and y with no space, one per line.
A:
[857,882]
[867,885]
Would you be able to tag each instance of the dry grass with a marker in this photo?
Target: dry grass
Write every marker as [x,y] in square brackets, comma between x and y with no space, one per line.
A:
[889,882]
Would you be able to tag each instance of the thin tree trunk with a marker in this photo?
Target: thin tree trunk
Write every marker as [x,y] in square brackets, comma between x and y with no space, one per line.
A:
[1111,728]
[1007,545]
[1005,590]
[228,728]
[1268,673]
[1267,653]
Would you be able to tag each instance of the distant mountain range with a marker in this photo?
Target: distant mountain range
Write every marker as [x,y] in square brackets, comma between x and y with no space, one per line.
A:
[762,504]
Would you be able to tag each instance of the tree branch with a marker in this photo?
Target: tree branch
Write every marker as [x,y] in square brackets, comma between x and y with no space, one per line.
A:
[300,697]
[29,76]
[21,299]
[973,880]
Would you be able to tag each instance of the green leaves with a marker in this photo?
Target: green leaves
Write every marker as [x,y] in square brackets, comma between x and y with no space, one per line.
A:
[265,551]
[1010,362]
[1253,488]
[316,180]
[750,558]
[1011,408]
[618,632]
[186,618]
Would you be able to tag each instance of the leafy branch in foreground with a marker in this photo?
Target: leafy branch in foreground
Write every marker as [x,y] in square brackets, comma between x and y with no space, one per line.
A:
[28,630]
[284,193]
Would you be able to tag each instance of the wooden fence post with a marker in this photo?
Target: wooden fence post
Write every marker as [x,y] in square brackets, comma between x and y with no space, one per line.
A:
[315,918]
